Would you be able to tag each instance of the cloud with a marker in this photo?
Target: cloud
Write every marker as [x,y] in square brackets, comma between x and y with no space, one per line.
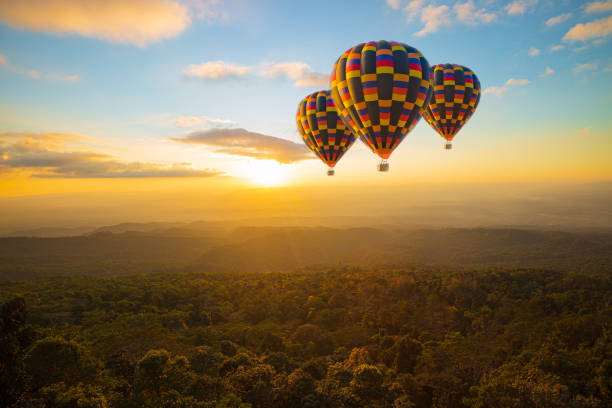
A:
[302,74]
[553,21]
[520,6]
[54,155]
[216,70]
[394,4]
[548,72]
[534,52]
[35,74]
[467,13]
[434,18]
[413,9]
[584,131]
[587,66]
[193,121]
[499,91]
[594,29]
[557,47]
[136,22]
[598,7]
[516,82]
[241,142]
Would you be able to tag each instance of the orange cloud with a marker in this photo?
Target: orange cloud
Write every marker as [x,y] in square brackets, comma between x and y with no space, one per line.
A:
[594,29]
[50,155]
[302,74]
[136,22]
[241,142]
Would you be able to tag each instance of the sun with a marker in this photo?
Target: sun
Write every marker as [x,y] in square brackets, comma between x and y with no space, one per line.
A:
[267,173]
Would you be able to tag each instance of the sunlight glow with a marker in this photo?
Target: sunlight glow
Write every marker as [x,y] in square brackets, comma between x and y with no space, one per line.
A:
[267,173]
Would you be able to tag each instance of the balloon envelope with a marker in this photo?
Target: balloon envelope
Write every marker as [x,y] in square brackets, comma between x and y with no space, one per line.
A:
[322,129]
[456,96]
[381,88]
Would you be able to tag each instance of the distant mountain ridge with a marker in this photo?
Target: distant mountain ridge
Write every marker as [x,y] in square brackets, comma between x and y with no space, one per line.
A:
[217,247]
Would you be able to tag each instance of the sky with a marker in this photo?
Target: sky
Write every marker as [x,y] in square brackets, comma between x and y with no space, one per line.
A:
[126,96]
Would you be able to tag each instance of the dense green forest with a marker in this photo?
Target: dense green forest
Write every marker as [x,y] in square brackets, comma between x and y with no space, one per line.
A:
[338,336]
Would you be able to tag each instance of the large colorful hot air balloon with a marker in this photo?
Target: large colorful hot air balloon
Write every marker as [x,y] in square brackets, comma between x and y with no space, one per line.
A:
[456,96]
[322,129]
[382,87]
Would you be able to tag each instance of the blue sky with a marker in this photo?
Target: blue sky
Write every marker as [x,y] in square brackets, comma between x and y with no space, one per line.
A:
[545,68]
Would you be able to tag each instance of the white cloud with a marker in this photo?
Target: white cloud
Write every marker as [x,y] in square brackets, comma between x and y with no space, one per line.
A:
[594,29]
[557,47]
[413,9]
[467,13]
[534,52]
[553,21]
[587,66]
[434,18]
[520,6]
[216,70]
[136,22]
[394,4]
[499,91]
[194,121]
[300,73]
[598,7]
[516,82]
[548,72]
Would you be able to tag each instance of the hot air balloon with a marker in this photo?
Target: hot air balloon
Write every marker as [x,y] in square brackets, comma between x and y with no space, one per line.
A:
[322,129]
[381,87]
[456,96]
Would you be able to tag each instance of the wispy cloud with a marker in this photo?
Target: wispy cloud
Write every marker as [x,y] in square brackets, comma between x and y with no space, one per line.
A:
[394,4]
[413,9]
[584,130]
[553,21]
[519,7]
[468,14]
[548,72]
[557,47]
[55,155]
[216,70]
[194,121]
[598,7]
[241,142]
[534,52]
[499,91]
[594,29]
[587,66]
[300,73]
[136,22]
[433,17]
[34,74]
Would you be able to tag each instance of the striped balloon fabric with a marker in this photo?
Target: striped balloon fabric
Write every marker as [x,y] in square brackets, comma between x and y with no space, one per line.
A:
[323,131]
[381,87]
[456,96]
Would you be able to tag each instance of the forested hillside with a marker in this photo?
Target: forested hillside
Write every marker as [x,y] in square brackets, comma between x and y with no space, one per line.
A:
[115,251]
[326,337]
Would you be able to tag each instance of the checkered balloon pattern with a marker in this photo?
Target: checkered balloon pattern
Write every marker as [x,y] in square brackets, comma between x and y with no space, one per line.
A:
[456,95]
[381,88]
[322,129]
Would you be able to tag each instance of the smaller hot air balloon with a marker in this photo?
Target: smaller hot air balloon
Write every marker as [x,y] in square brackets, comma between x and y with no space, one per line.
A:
[456,96]
[322,129]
